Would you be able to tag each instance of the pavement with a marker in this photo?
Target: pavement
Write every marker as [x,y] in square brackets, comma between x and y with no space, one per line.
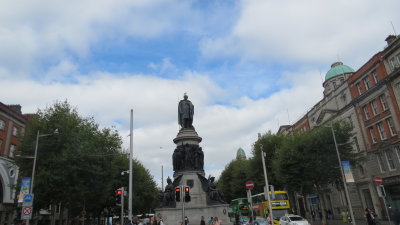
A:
[340,222]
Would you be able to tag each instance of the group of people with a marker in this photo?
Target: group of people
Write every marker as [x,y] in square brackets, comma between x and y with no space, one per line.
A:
[328,214]
[211,221]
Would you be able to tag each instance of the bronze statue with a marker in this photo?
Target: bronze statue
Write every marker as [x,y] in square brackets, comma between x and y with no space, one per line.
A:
[185,113]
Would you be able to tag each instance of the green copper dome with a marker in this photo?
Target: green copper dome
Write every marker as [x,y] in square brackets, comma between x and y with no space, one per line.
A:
[337,69]
[240,154]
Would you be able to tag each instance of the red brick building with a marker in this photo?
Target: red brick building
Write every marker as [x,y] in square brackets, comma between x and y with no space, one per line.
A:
[12,125]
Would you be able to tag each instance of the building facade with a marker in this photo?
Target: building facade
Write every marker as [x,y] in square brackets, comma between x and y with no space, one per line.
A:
[12,125]
[368,99]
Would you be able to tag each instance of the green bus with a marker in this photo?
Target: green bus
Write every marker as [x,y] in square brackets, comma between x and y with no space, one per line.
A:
[239,206]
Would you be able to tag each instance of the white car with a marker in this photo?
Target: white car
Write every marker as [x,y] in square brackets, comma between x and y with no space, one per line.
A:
[293,220]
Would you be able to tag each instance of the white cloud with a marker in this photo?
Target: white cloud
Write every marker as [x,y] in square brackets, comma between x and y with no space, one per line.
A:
[224,128]
[311,31]
[31,32]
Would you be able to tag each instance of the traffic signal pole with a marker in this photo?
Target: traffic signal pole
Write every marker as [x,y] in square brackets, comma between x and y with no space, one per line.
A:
[122,205]
[267,186]
[183,205]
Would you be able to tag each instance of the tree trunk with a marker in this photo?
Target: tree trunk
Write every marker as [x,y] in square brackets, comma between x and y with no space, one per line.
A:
[323,207]
[61,218]
[53,214]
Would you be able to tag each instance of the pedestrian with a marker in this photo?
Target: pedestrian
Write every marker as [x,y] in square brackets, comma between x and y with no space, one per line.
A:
[210,221]
[237,218]
[186,220]
[313,214]
[159,220]
[152,221]
[269,219]
[345,218]
[217,221]
[320,214]
[369,217]
[202,222]
[329,212]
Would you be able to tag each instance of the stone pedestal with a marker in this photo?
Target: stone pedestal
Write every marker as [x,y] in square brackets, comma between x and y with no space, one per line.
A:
[197,207]
[200,204]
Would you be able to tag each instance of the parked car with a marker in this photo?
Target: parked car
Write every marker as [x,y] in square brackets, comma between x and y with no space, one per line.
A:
[260,221]
[293,220]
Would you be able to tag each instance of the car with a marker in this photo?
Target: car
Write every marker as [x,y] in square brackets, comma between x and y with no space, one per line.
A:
[293,220]
[260,221]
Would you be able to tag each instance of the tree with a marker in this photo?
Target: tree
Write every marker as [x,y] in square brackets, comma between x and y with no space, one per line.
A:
[269,143]
[233,178]
[81,166]
[308,161]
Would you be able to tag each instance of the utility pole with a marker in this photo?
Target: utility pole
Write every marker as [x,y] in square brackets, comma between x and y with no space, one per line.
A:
[130,170]
[266,182]
[122,205]
[344,178]
[183,204]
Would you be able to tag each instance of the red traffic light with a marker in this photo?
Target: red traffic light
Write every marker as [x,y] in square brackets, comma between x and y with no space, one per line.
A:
[119,192]
[187,189]
[177,189]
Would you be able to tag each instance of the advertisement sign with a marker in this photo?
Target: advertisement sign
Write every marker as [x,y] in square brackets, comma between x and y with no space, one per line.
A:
[347,171]
[25,186]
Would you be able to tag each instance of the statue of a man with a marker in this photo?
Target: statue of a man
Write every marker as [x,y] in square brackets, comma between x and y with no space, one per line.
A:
[185,112]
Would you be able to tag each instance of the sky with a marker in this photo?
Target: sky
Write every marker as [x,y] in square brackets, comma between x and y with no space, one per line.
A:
[248,66]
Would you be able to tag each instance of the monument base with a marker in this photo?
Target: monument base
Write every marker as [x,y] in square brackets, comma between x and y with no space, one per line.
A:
[173,216]
[197,206]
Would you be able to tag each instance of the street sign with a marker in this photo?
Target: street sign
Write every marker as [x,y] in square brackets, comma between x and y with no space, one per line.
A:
[378,180]
[28,200]
[249,184]
[26,212]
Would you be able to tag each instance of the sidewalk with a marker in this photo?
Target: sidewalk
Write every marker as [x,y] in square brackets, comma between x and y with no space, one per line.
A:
[340,222]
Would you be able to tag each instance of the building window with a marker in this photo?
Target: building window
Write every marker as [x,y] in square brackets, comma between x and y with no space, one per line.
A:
[1,142]
[12,150]
[359,88]
[362,172]
[380,163]
[390,160]
[356,144]
[375,108]
[383,102]
[373,136]
[2,124]
[366,112]
[397,150]
[375,76]
[391,127]
[381,130]
[367,83]
[15,131]
[394,63]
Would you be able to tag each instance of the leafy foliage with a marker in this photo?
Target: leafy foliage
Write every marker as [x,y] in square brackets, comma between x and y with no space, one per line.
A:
[81,165]
[296,162]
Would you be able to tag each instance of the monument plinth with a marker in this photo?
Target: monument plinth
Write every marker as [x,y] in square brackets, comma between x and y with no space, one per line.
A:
[188,166]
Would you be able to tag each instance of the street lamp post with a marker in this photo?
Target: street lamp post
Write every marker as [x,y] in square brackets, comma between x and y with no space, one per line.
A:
[344,178]
[266,182]
[38,135]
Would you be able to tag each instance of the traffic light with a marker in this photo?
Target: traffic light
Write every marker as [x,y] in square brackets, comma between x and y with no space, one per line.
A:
[118,196]
[178,194]
[187,194]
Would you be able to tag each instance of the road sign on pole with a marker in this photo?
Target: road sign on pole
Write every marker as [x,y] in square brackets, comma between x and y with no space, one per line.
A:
[26,212]
[378,180]
[249,184]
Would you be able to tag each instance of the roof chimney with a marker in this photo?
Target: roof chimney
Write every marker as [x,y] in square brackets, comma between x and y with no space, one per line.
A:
[390,39]
[15,108]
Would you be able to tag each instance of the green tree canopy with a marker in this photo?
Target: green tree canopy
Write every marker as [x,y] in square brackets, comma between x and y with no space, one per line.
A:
[81,165]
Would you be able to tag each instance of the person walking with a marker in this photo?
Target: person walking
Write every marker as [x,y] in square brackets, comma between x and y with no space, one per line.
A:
[202,222]
[369,217]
